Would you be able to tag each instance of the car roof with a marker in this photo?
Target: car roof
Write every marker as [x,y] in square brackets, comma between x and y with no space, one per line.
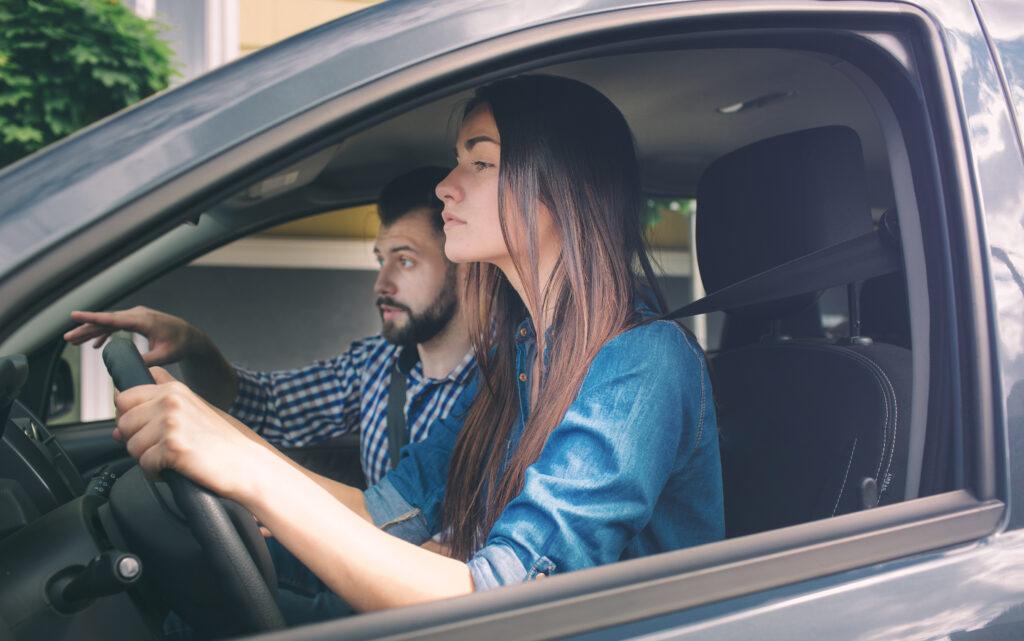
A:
[63,188]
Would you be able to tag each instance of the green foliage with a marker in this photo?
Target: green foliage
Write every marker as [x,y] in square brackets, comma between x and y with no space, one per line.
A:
[67,63]
[654,208]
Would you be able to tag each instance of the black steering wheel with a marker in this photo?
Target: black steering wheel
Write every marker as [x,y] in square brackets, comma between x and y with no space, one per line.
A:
[231,544]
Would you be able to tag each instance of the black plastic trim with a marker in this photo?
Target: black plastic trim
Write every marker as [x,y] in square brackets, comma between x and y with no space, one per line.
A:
[972,300]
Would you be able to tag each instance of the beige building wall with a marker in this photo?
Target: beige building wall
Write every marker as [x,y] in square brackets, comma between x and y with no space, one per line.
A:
[264,22]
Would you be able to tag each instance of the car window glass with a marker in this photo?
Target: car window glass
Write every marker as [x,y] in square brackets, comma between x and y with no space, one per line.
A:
[282,298]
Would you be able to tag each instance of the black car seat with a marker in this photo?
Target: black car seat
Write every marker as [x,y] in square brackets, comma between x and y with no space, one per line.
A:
[809,429]
[745,329]
[884,314]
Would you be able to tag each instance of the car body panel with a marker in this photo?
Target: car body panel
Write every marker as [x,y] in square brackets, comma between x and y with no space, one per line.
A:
[1000,165]
[1005,29]
[971,591]
[967,592]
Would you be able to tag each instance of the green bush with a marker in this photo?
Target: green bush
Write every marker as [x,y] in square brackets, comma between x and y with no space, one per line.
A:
[67,63]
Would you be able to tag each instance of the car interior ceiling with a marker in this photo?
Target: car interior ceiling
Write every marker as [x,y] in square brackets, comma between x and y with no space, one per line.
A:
[678,109]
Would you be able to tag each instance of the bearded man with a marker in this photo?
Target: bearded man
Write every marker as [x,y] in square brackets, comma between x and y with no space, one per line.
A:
[406,377]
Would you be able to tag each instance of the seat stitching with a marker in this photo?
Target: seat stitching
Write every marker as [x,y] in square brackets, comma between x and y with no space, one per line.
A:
[892,448]
[886,384]
[845,476]
[881,376]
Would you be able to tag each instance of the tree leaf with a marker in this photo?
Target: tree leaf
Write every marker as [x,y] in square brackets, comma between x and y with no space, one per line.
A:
[66,63]
[17,133]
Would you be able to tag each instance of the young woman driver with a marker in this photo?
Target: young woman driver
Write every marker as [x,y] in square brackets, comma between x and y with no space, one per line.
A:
[590,435]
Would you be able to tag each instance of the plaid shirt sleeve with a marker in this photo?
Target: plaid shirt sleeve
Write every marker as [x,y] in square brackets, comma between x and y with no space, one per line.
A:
[292,408]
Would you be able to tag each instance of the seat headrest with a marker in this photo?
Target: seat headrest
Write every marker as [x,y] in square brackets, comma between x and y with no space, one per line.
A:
[776,200]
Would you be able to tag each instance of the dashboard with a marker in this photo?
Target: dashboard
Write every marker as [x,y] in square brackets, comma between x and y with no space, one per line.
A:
[65,573]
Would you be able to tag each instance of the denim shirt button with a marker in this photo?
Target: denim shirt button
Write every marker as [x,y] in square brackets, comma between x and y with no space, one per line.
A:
[542,567]
[522,377]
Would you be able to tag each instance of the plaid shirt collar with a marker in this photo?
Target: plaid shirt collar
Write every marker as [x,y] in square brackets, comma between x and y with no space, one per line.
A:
[458,375]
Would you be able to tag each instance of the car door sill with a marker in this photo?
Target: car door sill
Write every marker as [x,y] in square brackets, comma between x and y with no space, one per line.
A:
[665,583]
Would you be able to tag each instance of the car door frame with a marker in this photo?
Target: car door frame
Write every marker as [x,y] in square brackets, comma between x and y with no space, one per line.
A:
[641,588]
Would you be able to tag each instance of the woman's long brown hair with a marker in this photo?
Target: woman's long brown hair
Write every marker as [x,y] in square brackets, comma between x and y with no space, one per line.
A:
[567,146]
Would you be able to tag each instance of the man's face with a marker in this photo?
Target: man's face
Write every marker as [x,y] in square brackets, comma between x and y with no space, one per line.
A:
[415,288]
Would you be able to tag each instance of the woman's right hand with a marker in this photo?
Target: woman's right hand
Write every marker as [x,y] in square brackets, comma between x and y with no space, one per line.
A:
[170,338]
[166,426]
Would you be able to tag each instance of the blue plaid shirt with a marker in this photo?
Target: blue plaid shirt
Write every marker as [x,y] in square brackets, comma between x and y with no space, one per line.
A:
[292,408]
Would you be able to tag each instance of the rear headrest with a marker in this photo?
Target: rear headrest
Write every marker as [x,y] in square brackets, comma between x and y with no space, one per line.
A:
[776,200]
[884,314]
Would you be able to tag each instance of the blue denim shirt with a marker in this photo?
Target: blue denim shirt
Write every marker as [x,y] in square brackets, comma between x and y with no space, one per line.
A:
[633,468]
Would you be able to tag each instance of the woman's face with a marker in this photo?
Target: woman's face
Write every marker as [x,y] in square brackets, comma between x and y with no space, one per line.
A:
[470,193]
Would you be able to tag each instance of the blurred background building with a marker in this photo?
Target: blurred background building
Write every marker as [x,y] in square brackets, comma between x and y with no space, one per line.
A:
[206,34]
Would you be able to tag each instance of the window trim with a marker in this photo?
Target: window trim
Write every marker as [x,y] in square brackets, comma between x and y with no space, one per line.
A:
[607,596]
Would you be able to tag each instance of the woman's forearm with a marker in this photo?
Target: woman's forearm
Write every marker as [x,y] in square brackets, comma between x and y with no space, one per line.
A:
[351,497]
[369,568]
[167,426]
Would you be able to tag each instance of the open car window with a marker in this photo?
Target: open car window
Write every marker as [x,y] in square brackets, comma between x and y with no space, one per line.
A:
[849,427]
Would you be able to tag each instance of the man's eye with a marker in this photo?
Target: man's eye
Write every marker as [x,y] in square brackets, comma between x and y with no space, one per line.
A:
[407,262]
[480,165]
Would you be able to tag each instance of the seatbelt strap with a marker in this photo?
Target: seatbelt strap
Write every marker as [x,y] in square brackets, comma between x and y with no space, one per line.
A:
[398,432]
[857,259]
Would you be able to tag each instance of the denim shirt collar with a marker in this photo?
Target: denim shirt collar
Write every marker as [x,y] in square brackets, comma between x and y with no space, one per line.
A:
[459,374]
[526,338]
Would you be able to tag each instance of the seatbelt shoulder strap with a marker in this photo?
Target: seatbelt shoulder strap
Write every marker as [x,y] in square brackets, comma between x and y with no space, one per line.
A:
[857,259]
[398,432]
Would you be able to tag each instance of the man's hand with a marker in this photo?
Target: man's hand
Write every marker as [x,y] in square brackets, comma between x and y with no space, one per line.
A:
[170,338]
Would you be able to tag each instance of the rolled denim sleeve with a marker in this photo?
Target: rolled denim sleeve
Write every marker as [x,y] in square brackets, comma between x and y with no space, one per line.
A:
[636,419]
[393,514]
[407,501]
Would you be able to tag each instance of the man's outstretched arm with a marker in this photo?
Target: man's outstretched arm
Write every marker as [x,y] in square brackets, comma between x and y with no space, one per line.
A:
[171,340]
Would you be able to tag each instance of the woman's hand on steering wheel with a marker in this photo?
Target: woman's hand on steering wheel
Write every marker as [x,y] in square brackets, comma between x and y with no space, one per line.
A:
[167,426]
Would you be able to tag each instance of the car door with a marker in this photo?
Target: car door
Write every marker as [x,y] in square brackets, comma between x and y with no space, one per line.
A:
[941,568]
[885,572]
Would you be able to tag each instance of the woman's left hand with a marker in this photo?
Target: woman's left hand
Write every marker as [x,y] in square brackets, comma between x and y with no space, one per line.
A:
[167,426]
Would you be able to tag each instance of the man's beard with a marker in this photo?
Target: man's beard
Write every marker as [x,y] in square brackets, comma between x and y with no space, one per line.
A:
[421,327]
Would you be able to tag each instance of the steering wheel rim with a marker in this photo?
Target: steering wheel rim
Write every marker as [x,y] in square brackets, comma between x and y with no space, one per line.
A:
[208,520]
